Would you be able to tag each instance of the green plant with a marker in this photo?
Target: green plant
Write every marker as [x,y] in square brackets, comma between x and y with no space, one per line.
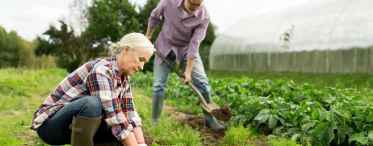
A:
[302,112]
[237,136]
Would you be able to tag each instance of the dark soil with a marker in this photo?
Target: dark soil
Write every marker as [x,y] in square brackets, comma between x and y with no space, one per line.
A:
[148,139]
[209,137]
[223,114]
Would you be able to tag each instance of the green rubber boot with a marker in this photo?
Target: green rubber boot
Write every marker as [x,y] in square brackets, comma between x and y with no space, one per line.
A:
[212,123]
[157,109]
[83,130]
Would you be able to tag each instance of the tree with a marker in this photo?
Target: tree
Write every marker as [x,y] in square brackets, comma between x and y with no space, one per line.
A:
[3,36]
[145,12]
[9,49]
[3,47]
[70,50]
[14,50]
[109,20]
[143,18]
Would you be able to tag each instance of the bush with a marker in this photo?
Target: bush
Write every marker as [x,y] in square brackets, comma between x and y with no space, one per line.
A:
[17,52]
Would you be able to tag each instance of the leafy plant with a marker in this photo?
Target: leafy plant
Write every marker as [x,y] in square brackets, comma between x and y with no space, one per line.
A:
[302,112]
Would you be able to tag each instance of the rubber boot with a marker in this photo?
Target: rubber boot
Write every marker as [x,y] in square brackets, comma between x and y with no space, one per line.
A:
[157,109]
[212,123]
[83,130]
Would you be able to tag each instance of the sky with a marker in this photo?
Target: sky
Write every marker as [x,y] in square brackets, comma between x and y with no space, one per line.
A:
[31,18]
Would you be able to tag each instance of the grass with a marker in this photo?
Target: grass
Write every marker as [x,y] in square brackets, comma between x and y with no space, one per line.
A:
[241,136]
[167,131]
[21,92]
[359,81]
[279,141]
[237,136]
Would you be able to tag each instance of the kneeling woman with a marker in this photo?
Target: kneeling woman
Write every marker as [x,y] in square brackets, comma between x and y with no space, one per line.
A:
[94,103]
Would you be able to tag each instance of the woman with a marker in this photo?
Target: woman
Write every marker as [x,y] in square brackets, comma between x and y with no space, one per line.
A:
[94,103]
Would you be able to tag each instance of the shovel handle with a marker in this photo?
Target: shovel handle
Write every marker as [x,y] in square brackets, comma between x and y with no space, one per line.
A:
[181,76]
[199,93]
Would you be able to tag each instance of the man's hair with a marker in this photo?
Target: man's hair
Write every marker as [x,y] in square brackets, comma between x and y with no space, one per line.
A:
[132,41]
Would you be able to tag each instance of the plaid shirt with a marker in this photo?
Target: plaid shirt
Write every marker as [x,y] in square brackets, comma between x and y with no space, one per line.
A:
[99,78]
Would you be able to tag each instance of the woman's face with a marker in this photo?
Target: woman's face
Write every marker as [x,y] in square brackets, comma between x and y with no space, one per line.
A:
[131,61]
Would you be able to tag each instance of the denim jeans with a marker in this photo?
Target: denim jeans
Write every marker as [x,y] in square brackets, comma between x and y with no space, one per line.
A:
[161,71]
[57,131]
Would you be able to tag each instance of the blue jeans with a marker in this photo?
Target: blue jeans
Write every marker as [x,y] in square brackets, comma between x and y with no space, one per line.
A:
[161,71]
[56,130]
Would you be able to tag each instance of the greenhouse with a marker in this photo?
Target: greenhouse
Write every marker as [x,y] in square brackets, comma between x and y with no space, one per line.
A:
[332,36]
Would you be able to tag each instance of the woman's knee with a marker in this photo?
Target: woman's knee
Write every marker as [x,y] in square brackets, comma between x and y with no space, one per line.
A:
[92,106]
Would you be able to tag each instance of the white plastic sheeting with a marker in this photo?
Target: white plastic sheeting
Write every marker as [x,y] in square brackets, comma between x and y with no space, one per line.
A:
[323,36]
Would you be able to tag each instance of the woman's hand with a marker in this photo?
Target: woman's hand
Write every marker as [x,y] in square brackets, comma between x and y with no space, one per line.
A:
[137,131]
[130,140]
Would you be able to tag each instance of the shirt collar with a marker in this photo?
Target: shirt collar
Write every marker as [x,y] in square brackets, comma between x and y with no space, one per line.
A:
[180,3]
[185,13]
[114,64]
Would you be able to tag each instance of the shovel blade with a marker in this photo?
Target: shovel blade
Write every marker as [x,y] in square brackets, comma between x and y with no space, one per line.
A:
[222,114]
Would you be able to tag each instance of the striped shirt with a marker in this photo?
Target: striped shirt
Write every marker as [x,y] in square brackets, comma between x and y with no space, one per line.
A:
[99,78]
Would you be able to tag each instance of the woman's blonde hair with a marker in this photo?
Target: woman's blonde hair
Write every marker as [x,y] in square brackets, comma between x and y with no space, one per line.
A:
[132,41]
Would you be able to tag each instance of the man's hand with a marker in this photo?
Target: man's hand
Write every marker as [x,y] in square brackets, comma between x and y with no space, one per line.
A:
[149,37]
[149,33]
[188,71]
[187,76]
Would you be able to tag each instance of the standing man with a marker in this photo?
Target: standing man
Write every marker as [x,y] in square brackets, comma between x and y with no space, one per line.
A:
[94,104]
[184,27]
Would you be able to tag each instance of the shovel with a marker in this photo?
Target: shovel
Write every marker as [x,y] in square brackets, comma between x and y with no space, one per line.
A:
[212,108]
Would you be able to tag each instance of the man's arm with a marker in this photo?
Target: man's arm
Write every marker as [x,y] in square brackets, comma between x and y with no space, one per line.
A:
[188,70]
[155,18]
[198,35]
[149,32]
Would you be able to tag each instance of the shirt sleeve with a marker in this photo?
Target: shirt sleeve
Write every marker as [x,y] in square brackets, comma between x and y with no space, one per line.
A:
[129,105]
[135,119]
[101,85]
[156,15]
[198,35]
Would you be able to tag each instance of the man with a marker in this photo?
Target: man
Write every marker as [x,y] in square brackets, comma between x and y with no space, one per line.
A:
[73,112]
[184,27]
